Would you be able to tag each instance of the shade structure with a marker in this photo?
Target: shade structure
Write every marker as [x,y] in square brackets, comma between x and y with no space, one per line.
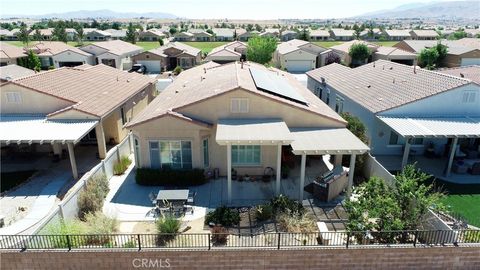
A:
[423,127]
[253,131]
[321,141]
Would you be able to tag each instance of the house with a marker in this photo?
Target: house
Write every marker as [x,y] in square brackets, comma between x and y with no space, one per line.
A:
[288,35]
[319,35]
[461,52]
[5,34]
[184,37]
[117,34]
[114,53]
[45,33]
[270,32]
[409,113]
[298,56]
[224,34]
[151,35]
[397,34]
[59,54]
[231,52]
[472,32]
[9,54]
[200,35]
[247,35]
[13,34]
[341,34]
[96,35]
[343,49]
[12,72]
[371,34]
[468,72]
[71,34]
[58,109]
[168,57]
[240,117]
[424,34]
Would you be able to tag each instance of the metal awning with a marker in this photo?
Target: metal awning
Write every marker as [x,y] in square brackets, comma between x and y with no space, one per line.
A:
[38,129]
[446,127]
[312,141]
[253,131]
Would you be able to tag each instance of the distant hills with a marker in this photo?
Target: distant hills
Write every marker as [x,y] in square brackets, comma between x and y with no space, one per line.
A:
[96,14]
[446,10]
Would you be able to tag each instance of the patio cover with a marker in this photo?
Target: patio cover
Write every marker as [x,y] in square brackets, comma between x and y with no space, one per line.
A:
[37,129]
[447,127]
[255,131]
[314,141]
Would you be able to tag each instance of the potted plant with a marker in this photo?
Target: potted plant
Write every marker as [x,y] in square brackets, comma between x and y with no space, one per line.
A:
[285,172]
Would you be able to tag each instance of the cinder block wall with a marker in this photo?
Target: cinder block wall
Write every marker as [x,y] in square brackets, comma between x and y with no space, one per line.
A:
[372,258]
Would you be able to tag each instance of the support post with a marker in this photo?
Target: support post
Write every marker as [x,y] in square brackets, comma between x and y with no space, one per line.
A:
[102,147]
[73,163]
[302,175]
[451,156]
[351,172]
[337,161]
[229,173]
[406,153]
[279,169]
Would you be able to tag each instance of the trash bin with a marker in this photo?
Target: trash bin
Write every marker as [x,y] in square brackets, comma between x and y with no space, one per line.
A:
[216,173]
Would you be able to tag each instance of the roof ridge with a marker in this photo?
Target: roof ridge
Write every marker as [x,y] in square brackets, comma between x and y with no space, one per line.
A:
[40,73]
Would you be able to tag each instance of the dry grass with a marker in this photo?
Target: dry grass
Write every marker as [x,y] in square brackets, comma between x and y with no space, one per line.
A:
[304,223]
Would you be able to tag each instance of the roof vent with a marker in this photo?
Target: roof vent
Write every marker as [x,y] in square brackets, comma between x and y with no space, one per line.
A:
[205,70]
[462,75]
[391,68]
[368,86]
[380,99]
[393,80]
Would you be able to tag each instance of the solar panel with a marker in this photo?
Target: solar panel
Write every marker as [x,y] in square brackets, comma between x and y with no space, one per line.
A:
[275,84]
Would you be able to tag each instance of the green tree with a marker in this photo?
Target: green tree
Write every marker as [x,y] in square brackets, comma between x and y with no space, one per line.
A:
[442,53]
[59,32]
[131,34]
[80,34]
[32,61]
[172,30]
[37,35]
[428,58]
[458,35]
[359,52]
[355,125]
[23,34]
[160,42]
[304,34]
[260,49]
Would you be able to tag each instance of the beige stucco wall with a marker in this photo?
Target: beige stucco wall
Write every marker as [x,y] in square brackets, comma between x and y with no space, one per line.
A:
[69,56]
[32,101]
[456,60]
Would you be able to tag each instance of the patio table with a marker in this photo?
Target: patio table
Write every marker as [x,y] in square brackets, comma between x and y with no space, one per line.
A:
[174,196]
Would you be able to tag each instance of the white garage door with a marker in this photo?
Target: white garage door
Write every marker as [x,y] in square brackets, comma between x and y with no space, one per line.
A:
[152,66]
[470,61]
[298,66]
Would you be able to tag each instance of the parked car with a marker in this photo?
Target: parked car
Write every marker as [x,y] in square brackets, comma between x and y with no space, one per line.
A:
[139,68]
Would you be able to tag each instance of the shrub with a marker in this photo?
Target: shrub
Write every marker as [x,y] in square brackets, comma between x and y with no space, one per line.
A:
[63,228]
[219,235]
[263,212]
[121,166]
[283,204]
[471,237]
[224,216]
[92,196]
[99,223]
[167,227]
[169,177]
[296,223]
[130,244]
[177,70]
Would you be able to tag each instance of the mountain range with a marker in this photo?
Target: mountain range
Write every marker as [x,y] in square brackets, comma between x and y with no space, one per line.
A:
[96,14]
[446,10]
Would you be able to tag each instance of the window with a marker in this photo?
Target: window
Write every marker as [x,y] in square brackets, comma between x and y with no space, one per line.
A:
[14,97]
[469,96]
[137,151]
[328,97]
[339,104]
[174,154]
[206,162]
[393,138]
[246,155]
[122,113]
[417,141]
[239,105]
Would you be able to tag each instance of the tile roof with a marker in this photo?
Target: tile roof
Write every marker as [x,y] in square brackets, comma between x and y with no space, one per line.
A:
[178,45]
[338,32]
[209,80]
[223,32]
[12,72]
[117,33]
[50,48]
[229,48]
[469,72]
[456,47]
[319,33]
[8,51]
[290,46]
[345,46]
[95,90]
[384,50]
[43,32]
[398,33]
[425,33]
[117,47]
[383,85]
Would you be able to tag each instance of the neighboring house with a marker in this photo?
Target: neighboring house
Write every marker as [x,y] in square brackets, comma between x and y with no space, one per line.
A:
[241,117]
[472,32]
[114,53]
[247,35]
[270,32]
[117,34]
[57,109]
[374,35]
[5,34]
[13,34]
[409,113]
[184,36]
[46,33]
[151,35]
[298,56]
[288,35]
[463,52]
[424,34]
[233,51]
[343,49]
[12,72]
[9,54]
[71,34]
[169,57]
[319,35]
[58,54]
[397,34]
[200,35]
[96,35]
[223,34]
[469,72]
[341,34]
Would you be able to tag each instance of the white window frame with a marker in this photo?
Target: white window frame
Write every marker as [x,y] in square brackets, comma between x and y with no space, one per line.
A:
[181,152]
[339,104]
[17,97]
[206,150]
[259,164]
[236,105]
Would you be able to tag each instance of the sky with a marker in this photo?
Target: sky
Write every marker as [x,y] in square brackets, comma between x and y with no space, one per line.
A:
[209,9]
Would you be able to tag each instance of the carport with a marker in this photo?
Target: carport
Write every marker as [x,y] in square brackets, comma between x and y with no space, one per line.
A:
[30,129]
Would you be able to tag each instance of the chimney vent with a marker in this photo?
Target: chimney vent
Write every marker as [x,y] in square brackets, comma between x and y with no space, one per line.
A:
[462,75]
